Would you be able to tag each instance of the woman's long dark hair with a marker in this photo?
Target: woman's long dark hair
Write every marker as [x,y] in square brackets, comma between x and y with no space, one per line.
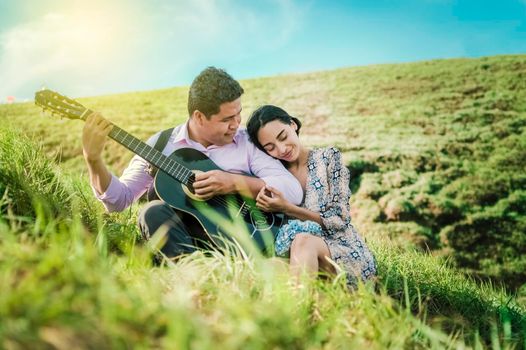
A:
[265,114]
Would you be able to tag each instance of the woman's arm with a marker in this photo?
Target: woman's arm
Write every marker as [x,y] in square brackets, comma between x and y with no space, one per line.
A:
[334,212]
[272,200]
[303,214]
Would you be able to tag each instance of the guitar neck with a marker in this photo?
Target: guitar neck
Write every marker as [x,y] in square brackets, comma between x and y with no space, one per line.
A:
[150,154]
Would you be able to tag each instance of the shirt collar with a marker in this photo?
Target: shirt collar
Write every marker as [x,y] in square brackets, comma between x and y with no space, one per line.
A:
[182,135]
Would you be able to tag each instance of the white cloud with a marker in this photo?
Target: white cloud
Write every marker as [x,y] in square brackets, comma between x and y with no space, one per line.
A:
[52,48]
[121,46]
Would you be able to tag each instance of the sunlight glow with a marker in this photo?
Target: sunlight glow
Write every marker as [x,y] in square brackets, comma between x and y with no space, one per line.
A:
[75,42]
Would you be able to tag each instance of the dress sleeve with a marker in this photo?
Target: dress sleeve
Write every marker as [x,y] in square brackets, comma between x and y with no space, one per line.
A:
[335,208]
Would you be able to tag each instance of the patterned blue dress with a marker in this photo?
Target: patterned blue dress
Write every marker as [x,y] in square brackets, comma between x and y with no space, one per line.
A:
[327,192]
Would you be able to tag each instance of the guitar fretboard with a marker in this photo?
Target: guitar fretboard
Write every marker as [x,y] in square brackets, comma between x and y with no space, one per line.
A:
[71,109]
[151,155]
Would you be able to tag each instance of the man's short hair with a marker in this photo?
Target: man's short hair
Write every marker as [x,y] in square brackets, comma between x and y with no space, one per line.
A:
[211,88]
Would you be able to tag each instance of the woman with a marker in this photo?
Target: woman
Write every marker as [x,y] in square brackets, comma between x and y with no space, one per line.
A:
[322,229]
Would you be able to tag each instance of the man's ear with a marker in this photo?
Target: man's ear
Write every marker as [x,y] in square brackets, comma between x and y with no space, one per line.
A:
[198,117]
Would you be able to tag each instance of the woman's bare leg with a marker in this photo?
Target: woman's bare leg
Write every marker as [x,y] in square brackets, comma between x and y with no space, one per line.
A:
[308,254]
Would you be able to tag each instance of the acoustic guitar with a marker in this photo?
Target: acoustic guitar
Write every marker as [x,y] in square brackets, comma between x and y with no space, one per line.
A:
[223,218]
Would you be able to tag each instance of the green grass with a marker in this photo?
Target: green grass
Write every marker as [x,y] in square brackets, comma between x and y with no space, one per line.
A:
[436,150]
[71,281]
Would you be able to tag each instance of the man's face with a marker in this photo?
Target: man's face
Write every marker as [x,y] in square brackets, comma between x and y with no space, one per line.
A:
[221,127]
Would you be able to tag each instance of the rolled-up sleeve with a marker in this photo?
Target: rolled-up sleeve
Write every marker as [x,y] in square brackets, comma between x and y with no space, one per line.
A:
[275,175]
[133,183]
[123,191]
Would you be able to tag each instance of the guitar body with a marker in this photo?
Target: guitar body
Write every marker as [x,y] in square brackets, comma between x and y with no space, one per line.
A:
[220,215]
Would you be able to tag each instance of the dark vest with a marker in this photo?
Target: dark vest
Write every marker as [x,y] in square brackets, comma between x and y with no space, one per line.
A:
[161,143]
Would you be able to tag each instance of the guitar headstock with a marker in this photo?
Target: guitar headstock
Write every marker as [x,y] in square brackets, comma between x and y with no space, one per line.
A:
[58,104]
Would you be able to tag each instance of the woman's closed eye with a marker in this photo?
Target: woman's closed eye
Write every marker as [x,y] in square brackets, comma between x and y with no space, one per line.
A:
[269,148]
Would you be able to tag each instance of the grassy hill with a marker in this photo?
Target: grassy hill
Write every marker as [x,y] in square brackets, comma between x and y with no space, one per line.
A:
[437,152]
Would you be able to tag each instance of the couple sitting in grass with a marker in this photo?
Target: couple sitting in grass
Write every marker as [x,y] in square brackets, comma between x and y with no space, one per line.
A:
[311,187]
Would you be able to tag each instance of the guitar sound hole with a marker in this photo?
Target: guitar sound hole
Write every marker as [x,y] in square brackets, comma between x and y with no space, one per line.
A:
[260,220]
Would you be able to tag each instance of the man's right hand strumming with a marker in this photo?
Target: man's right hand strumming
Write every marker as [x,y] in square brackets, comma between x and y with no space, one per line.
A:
[94,136]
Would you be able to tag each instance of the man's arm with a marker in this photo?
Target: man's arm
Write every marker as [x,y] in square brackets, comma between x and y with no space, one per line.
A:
[116,194]
[94,136]
[266,171]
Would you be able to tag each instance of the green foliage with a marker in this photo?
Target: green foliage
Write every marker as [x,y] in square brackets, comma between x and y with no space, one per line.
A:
[493,235]
[29,182]
[35,191]
[357,168]
[436,150]
[63,290]
[449,299]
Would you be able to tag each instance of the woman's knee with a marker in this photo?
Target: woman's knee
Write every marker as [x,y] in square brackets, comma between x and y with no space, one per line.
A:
[304,242]
[299,242]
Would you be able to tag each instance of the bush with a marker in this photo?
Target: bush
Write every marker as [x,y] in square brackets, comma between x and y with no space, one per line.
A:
[398,178]
[397,208]
[365,210]
[357,168]
[492,242]
[484,187]
[371,187]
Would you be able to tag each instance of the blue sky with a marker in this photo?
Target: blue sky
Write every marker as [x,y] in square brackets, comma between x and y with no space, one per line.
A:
[95,47]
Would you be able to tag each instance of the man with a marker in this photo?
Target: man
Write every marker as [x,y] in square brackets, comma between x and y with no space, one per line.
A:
[214,108]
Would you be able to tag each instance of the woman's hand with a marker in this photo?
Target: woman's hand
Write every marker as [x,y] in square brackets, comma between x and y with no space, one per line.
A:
[271,200]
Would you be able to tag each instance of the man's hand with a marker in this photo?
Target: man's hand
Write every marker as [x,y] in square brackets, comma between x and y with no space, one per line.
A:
[212,183]
[271,200]
[94,136]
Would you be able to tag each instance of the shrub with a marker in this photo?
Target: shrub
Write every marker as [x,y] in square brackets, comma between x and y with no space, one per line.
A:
[397,208]
[398,178]
[371,187]
[357,168]
[492,242]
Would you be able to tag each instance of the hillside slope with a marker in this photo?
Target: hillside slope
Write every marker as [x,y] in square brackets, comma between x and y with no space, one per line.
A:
[73,277]
[437,148]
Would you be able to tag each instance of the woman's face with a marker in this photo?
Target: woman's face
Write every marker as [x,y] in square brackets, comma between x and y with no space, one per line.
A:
[280,140]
